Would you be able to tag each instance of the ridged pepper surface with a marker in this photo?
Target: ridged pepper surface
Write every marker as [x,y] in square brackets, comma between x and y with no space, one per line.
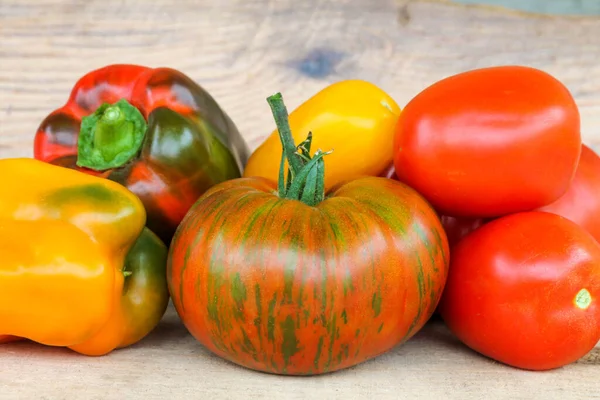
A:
[79,269]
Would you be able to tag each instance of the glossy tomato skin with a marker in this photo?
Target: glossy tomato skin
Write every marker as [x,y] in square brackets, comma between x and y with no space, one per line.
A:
[489,142]
[581,202]
[278,286]
[523,290]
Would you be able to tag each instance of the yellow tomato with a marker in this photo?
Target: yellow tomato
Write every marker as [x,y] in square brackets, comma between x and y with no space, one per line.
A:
[354,118]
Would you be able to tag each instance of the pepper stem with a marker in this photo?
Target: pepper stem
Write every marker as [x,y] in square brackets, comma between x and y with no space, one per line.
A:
[306,174]
[111,136]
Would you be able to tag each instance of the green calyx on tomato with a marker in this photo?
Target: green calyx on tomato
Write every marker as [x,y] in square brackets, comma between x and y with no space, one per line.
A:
[111,136]
[305,177]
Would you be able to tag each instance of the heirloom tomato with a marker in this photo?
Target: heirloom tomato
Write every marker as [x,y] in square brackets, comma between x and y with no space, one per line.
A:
[284,277]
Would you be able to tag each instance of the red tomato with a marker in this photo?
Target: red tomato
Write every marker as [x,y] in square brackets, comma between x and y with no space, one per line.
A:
[523,290]
[489,142]
[581,202]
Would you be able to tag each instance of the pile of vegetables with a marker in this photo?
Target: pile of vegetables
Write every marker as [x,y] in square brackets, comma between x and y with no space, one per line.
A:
[334,241]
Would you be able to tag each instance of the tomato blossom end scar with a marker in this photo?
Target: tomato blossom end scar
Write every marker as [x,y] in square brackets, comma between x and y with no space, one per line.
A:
[583,299]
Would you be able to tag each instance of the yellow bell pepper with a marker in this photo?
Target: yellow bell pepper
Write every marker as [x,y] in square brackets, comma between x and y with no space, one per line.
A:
[354,118]
[79,269]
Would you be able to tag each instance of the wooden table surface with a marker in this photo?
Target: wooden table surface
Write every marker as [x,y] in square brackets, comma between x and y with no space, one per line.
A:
[241,51]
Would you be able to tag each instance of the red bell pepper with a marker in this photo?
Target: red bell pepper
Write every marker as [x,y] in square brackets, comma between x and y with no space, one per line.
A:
[155,131]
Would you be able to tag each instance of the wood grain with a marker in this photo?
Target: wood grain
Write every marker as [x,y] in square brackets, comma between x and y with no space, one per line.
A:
[242,51]
[171,364]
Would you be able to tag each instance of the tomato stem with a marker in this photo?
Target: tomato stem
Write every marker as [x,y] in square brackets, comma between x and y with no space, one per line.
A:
[111,136]
[305,176]
[285,133]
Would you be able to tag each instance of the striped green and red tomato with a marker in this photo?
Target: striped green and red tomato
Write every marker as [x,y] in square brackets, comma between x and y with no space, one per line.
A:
[299,283]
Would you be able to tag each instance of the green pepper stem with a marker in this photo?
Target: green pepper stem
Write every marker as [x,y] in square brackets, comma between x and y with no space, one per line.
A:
[306,181]
[111,136]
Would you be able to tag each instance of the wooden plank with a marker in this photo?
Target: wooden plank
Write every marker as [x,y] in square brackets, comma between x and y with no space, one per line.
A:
[242,51]
[171,364]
